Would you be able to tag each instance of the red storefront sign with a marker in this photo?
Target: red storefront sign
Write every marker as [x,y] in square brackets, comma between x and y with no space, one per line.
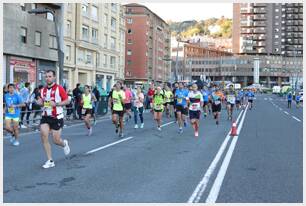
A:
[24,66]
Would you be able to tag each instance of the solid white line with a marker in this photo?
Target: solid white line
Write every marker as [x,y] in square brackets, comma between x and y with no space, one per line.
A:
[286,113]
[199,190]
[109,145]
[296,119]
[214,192]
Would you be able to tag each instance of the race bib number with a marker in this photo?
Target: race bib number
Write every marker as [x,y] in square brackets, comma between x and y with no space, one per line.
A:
[231,99]
[179,100]
[217,102]
[194,106]
[11,110]
[115,101]
[158,107]
[47,104]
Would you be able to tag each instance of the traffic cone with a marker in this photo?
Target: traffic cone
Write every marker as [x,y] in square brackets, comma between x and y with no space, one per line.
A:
[234,129]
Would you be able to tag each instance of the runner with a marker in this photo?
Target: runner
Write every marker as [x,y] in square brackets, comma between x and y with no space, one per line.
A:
[181,105]
[239,99]
[127,102]
[195,101]
[289,98]
[53,98]
[230,100]
[150,96]
[251,96]
[297,100]
[87,110]
[158,106]
[138,107]
[169,101]
[12,104]
[217,98]
[205,93]
[175,101]
[116,102]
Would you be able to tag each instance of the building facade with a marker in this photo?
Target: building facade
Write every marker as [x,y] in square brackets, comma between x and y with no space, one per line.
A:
[274,70]
[94,44]
[188,51]
[147,46]
[268,28]
[29,42]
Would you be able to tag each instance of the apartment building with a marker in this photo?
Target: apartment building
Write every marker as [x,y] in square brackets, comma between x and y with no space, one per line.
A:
[148,46]
[268,28]
[94,41]
[29,42]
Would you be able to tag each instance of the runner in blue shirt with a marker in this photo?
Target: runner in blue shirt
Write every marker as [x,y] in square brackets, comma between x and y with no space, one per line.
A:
[289,98]
[297,100]
[181,95]
[239,99]
[12,102]
[205,93]
[250,95]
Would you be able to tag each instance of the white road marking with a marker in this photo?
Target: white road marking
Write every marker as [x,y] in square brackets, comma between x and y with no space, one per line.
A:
[296,118]
[167,124]
[265,98]
[119,141]
[108,145]
[199,190]
[280,109]
[286,113]
[214,192]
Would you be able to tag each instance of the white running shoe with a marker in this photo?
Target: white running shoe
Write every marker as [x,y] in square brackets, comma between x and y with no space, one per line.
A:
[66,147]
[16,143]
[141,126]
[159,128]
[48,164]
[23,126]
[136,126]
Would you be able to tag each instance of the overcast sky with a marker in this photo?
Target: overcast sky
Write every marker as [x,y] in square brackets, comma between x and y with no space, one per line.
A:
[190,11]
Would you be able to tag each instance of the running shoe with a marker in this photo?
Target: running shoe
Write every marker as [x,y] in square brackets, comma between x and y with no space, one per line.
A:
[16,143]
[121,135]
[12,138]
[23,126]
[66,148]
[180,130]
[141,126]
[136,126]
[159,128]
[196,134]
[48,164]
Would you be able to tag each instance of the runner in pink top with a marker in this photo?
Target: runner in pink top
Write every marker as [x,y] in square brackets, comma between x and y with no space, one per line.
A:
[127,102]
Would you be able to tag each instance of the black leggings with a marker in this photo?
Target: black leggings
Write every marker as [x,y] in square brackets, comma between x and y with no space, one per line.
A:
[140,111]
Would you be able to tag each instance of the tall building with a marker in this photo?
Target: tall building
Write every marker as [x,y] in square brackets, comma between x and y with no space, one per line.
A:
[94,44]
[148,46]
[268,28]
[29,42]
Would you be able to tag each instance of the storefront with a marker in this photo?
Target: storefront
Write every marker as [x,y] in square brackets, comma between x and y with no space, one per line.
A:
[22,70]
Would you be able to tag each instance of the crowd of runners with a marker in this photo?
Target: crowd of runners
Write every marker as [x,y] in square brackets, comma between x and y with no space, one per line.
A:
[180,102]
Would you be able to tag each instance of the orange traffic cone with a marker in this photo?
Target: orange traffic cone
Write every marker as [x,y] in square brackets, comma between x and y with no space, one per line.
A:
[234,129]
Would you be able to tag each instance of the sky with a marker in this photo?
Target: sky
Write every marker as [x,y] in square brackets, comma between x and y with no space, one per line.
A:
[190,11]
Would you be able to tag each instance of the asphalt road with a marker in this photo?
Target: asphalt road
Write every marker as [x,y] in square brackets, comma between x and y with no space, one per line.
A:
[262,164]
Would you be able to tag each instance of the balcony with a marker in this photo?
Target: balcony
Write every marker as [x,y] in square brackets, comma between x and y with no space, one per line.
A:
[260,30]
[260,17]
[248,10]
[288,29]
[246,24]
[262,43]
[260,23]
[261,50]
[246,31]
[262,37]
[259,5]
[260,10]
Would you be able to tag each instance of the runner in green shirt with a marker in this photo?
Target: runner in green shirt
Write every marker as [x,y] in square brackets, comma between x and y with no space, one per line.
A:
[116,102]
[158,106]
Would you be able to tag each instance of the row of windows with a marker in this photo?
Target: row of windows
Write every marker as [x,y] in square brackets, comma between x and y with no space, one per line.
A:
[93,13]
[223,61]
[37,38]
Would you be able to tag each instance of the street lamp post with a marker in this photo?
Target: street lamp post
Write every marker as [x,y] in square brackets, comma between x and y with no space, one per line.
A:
[60,53]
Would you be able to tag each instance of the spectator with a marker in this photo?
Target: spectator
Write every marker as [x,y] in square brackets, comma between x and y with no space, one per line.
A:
[25,94]
[77,95]
[33,104]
